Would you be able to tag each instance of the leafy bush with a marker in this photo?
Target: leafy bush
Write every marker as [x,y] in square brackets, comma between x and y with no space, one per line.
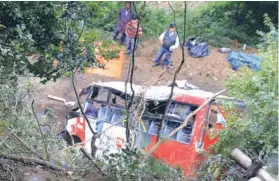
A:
[21,121]
[155,22]
[256,129]
[129,165]
[219,22]
[108,50]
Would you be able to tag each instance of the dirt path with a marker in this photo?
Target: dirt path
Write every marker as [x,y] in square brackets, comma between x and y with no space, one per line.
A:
[208,73]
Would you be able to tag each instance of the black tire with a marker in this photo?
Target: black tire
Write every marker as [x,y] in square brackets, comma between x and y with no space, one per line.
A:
[66,137]
[76,139]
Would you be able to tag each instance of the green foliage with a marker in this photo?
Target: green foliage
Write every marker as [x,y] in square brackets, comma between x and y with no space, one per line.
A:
[43,28]
[256,129]
[220,22]
[109,50]
[109,54]
[155,22]
[68,74]
[21,121]
[129,166]
[103,14]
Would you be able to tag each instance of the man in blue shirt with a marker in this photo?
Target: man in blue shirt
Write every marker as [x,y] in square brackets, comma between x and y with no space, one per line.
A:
[124,17]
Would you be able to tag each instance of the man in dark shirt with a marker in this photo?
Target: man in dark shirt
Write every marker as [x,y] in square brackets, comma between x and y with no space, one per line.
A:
[124,17]
[169,41]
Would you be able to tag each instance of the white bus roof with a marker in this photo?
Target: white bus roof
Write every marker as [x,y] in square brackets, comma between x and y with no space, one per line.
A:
[159,93]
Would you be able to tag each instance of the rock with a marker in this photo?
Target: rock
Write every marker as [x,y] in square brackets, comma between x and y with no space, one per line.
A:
[27,174]
[37,178]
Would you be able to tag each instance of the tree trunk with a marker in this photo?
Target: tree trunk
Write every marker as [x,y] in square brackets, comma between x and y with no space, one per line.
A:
[244,161]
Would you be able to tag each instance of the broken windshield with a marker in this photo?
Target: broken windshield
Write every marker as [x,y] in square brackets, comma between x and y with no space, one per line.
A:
[100,94]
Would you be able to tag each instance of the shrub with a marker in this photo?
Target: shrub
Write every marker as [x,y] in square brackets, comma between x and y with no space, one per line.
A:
[255,129]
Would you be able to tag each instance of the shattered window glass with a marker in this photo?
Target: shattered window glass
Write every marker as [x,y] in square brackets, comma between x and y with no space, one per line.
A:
[156,107]
[91,109]
[154,127]
[180,110]
[100,94]
[117,98]
[185,134]
[169,127]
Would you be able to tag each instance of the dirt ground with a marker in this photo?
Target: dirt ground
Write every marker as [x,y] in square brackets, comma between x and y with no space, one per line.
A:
[208,73]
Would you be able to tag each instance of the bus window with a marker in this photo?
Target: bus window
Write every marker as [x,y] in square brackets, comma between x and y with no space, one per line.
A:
[154,126]
[117,99]
[156,107]
[91,109]
[170,126]
[184,135]
[180,110]
[100,94]
[145,125]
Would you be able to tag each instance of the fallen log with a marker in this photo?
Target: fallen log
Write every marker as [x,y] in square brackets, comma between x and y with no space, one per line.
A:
[245,162]
[32,161]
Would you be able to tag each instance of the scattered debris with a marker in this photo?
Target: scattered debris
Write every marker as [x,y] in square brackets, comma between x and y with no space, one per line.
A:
[224,50]
[238,59]
[183,84]
[215,78]
[69,103]
[197,48]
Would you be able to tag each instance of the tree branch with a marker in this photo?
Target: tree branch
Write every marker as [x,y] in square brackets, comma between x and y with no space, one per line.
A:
[81,30]
[92,159]
[30,160]
[84,115]
[26,146]
[130,75]
[176,72]
[79,104]
[184,123]
[42,135]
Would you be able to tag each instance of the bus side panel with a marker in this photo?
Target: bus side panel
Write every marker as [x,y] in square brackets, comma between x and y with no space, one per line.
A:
[77,126]
[177,155]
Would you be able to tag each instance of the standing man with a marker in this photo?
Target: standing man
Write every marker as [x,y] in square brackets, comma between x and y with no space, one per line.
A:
[131,31]
[169,41]
[124,16]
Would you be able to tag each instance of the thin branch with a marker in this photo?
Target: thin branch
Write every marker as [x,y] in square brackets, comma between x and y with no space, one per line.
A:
[9,148]
[3,140]
[84,115]
[81,30]
[185,122]
[130,75]
[30,160]
[79,104]
[42,135]
[176,72]
[26,146]
[92,159]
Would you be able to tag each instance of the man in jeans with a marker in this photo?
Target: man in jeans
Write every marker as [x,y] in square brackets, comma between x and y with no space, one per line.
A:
[124,16]
[131,31]
[169,41]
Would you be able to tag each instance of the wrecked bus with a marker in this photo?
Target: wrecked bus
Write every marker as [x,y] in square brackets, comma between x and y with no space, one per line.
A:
[106,111]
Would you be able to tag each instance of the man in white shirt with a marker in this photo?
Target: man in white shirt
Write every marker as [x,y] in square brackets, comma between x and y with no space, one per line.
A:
[169,41]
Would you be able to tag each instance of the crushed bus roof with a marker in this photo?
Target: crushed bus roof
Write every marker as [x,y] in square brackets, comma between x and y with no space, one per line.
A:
[159,93]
